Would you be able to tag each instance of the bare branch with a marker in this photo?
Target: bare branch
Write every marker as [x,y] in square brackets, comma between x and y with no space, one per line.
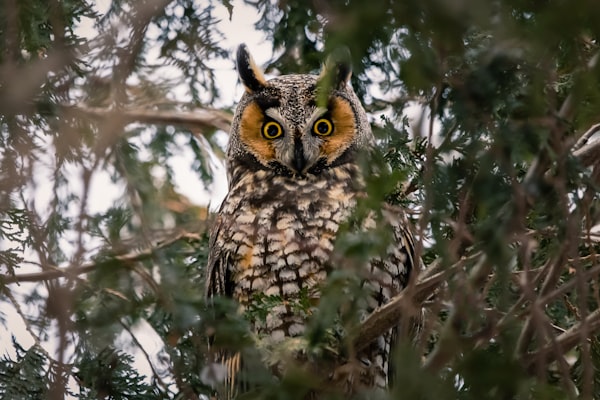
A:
[586,136]
[566,340]
[406,302]
[203,118]
[589,154]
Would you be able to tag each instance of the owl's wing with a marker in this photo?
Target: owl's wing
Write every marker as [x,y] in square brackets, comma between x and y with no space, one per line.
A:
[388,275]
[218,273]
[403,263]
[402,250]
[219,283]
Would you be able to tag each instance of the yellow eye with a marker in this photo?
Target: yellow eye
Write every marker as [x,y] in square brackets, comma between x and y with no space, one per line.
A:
[323,127]
[271,130]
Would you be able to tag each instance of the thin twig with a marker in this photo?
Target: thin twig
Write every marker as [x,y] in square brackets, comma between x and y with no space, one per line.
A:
[556,268]
[590,274]
[146,355]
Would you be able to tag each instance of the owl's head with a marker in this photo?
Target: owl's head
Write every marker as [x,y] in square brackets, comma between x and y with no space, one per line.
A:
[288,126]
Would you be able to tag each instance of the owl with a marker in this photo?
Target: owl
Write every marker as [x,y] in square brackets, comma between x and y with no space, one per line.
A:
[294,180]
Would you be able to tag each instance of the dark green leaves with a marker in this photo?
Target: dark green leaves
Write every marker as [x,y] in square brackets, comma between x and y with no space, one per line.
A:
[25,377]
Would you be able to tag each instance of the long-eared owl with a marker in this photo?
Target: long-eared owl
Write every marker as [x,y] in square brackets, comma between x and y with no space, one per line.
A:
[294,180]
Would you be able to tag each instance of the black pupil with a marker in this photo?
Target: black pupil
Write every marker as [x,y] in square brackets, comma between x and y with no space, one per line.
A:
[322,127]
[272,130]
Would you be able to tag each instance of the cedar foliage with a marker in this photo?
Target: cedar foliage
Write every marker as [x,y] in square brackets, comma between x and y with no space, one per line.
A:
[501,170]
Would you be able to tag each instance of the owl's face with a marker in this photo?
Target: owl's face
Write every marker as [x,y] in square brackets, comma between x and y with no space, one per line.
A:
[284,125]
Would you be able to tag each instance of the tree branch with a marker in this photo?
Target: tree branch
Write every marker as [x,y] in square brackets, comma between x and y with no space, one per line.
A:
[55,272]
[388,315]
[586,136]
[565,341]
[203,118]
[589,154]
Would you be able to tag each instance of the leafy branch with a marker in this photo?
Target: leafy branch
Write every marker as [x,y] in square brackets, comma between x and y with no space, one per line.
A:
[71,271]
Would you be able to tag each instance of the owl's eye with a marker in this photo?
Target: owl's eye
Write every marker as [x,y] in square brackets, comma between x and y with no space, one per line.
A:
[272,130]
[323,127]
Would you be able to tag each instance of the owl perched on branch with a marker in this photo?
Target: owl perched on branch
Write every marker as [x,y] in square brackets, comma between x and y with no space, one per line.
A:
[294,180]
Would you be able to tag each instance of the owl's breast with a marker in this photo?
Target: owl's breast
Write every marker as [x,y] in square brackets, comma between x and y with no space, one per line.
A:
[279,232]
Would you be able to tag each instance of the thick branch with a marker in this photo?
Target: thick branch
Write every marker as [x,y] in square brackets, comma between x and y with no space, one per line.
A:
[203,118]
[566,340]
[589,154]
[388,315]
[586,136]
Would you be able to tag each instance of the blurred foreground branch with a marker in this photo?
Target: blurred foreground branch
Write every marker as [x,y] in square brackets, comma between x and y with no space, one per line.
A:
[55,272]
[203,118]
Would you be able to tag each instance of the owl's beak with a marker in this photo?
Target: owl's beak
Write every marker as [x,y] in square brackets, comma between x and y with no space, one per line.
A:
[299,158]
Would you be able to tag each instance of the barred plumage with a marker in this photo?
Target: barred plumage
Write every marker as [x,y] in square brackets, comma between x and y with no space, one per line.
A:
[293,180]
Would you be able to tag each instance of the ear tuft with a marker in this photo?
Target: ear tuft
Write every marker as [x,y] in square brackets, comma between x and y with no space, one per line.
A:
[337,70]
[250,74]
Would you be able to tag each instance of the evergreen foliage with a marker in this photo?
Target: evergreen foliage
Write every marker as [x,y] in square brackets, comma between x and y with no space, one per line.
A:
[499,165]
